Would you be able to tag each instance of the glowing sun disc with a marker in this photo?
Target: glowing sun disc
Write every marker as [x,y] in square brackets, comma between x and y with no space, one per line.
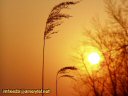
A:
[94,58]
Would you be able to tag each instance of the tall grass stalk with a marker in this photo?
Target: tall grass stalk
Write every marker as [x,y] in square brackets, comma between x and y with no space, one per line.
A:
[54,19]
[63,72]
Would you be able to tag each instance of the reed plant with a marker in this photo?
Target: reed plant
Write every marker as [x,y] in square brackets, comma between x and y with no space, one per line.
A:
[54,19]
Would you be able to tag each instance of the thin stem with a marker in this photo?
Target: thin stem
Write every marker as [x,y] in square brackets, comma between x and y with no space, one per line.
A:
[56,85]
[43,66]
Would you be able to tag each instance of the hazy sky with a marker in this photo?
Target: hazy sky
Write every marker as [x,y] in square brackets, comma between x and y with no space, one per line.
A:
[22,24]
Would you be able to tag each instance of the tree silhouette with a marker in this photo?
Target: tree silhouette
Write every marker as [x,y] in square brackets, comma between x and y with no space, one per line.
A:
[54,19]
[111,79]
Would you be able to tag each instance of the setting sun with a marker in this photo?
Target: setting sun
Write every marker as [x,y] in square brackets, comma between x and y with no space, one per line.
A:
[94,58]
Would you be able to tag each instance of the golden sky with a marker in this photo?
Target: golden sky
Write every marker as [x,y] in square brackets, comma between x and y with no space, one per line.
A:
[22,24]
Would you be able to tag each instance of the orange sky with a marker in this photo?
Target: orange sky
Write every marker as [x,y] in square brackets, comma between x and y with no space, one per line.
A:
[22,23]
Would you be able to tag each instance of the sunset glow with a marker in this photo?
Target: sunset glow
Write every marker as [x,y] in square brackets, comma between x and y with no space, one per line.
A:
[40,37]
[94,58]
